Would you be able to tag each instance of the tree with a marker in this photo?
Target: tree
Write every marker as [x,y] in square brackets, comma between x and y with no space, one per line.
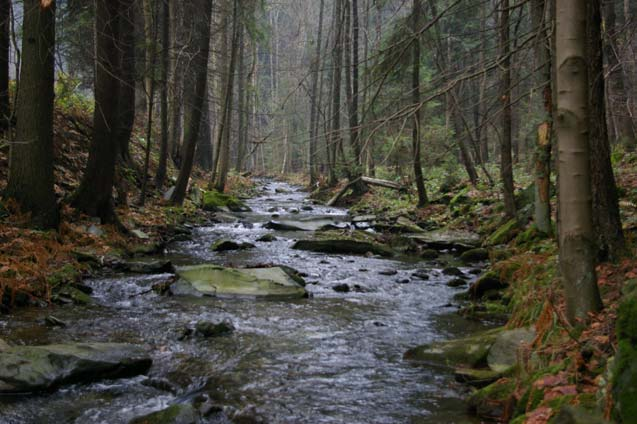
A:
[334,137]
[160,176]
[506,161]
[542,213]
[609,235]
[314,99]
[31,169]
[94,196]
[576,235]
[222,162]
[415,87]
[195,92]
[618,105]
[5,16]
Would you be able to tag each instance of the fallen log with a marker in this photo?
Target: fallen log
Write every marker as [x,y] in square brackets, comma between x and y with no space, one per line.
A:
[365,180]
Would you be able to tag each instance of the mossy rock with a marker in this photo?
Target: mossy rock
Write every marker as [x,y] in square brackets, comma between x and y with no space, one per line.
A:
[625,364]
[468,352]
[215,201]
[224,245]
[429,254]
[504,234]
[529,236]
[339,242]
[493,401]
[488,281]
[73,295]
[569,414]
[67,274]
[181,413]
[475,255]
[503,354]
[267,238]
[39,368]
[476,377]
[213,280]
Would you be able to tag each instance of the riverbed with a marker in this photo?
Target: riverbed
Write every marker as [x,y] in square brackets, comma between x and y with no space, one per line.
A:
[332,358]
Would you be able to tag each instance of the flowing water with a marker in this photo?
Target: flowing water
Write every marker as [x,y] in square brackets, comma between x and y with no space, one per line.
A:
[332,358]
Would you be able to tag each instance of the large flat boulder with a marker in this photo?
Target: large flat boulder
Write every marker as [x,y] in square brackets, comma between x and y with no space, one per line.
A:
[503,354]
[343,242]
[26,369]
[306,225]
[213,280]
[448,239]
[466,352]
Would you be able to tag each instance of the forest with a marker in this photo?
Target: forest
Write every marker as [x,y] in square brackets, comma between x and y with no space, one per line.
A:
[327,211]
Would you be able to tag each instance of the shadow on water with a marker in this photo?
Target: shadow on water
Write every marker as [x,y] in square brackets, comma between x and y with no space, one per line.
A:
[334,358]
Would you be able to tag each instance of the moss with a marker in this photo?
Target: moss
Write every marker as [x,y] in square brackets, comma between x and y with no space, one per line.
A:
[519,420]
[560,401]
[67,274]
[625,382]
[627,319]
[529,236]
[493,399]
[469,351]
[459,199]
[214,201]
[503,234]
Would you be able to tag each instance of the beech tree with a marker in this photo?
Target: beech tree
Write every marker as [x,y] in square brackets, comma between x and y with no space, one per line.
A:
[31,169]
[576,235]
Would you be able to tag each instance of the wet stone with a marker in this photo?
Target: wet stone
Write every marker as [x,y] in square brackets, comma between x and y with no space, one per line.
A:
[341,288]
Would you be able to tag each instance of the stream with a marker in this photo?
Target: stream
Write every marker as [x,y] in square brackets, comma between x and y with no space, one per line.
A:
[332,358]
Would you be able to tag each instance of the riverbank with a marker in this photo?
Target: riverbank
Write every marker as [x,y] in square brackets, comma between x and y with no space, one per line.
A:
[556,373]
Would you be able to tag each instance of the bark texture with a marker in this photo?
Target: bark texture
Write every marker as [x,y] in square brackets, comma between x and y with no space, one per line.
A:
[94,196]
[609,235]
[31,170]
[576,235]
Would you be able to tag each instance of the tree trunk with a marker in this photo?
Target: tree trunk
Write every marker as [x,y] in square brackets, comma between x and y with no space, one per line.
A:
[415,93]
[606,220]
[31,169]
[204,140]
[542,212]
[160,176]
[223,154]
[618,105]
[150,32]
[576,235]
[126,98]
[241,103]
[506,161]
[196,91]
[176,83]
[94,196]
[351,66]
[334,139]
[314,103]
[5,40]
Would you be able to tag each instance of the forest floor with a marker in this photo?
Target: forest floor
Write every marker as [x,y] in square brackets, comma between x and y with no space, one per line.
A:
[36,265]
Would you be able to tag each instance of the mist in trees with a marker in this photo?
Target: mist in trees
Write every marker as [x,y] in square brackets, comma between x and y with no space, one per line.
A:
[365,91]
